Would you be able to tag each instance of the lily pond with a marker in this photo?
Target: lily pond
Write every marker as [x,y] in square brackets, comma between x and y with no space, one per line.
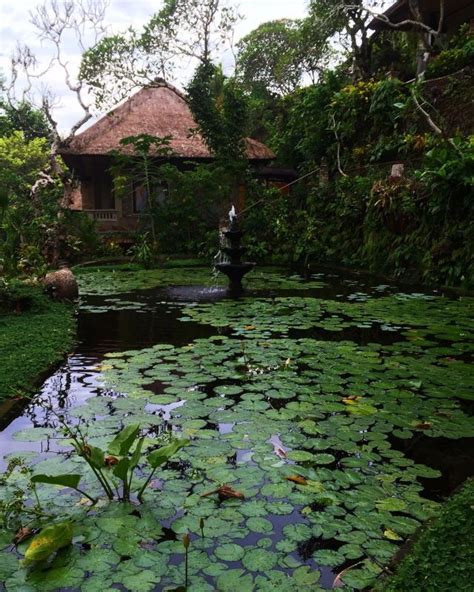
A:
[336,410]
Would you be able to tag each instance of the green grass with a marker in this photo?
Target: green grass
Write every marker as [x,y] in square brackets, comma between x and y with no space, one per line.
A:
[442,558]
[32,341]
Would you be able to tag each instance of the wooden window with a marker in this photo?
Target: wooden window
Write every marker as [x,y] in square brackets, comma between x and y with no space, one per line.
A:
[104,198]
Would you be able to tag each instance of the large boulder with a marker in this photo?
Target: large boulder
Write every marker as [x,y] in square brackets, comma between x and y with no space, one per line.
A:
[61,284]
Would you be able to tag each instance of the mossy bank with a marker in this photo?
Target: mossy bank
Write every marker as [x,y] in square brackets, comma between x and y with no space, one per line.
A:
[35,334]
[442,556]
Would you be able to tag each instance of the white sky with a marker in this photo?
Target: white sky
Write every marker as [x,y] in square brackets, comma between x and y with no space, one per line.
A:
[15,28]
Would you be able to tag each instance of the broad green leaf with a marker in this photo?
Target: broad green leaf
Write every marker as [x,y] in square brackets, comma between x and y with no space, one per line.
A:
[259,559]
[121,468]
[328,558]
[229,552]
[96,457]
[135,459]
[66,480]
[8,564]
[124,440]
[161,455]
[305,576]
[49,540]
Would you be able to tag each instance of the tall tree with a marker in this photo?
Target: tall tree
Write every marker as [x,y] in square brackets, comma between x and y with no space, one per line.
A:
[269,57]
[193,29]
[277,55]
[58,24]
[220,110]
[349,22]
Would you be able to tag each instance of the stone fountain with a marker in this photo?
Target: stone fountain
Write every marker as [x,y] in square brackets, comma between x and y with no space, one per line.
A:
[233,267]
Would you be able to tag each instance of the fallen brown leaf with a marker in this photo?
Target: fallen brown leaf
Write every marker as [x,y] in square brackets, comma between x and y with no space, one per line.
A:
[225,492]
[424,425]
[23,534]
[297,479]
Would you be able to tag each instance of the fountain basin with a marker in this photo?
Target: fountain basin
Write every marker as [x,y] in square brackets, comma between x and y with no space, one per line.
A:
[235,272]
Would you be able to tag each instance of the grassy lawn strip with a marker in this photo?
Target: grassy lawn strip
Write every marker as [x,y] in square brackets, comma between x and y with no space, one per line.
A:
[442,558]
[32,341]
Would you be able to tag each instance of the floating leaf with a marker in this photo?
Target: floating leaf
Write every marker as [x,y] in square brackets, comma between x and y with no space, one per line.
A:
[229,552]
[163,454]
[49,540]
[261,525]
[259,560]
[328,558]
[300,455]
[391,504]
[235,579]
[305,576]
[393,536]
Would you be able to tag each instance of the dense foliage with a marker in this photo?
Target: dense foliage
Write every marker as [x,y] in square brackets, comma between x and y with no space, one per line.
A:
[342,134]
[31,196]
[350,210]
[185,203]
[458,55]
[23,117]
[220,110]
[35,333]
[278,55]
[36,226]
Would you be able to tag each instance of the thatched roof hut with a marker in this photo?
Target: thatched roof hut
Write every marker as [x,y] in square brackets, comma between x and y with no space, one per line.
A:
[156,111]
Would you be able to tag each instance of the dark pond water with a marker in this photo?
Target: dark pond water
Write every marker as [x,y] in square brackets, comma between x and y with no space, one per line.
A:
[344,382]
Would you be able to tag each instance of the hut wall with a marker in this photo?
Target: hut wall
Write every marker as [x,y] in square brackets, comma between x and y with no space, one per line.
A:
[87,191]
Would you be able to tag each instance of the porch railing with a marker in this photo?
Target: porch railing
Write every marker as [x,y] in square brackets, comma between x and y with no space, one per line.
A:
[102,215]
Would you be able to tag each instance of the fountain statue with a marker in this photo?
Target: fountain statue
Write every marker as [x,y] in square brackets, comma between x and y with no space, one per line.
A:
[233,267]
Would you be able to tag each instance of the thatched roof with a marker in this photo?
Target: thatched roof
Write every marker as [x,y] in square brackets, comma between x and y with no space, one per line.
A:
[158,111]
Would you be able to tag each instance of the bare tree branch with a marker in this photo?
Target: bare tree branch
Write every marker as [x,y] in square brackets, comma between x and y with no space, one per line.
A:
[417,22]
[338,154]
[437,130]
[56,22]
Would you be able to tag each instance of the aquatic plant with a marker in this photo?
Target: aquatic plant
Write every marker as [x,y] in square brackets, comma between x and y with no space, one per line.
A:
[120,460]
[16,510]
